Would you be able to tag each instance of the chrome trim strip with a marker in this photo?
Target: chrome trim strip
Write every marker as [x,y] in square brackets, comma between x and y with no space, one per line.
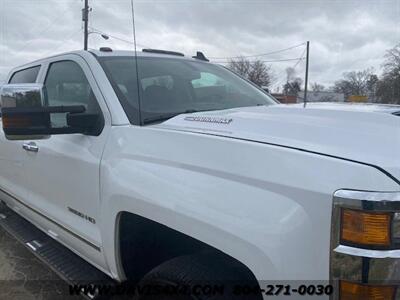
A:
[31,246]
[82,239]
[367,201]
[367,253]
[367,196]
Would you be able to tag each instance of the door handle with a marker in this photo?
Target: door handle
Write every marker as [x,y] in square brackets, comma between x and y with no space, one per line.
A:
[31,146]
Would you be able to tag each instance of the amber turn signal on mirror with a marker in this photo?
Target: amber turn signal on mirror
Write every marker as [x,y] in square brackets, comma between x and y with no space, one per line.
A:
[366,228]
[16,121]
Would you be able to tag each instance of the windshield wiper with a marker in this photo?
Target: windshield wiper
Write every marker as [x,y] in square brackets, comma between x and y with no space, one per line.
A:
[164,117]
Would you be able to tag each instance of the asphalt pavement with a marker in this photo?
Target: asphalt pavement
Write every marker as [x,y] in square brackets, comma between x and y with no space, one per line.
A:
[25,277]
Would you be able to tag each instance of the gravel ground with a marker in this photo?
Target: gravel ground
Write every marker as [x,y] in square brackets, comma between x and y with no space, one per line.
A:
[24,277]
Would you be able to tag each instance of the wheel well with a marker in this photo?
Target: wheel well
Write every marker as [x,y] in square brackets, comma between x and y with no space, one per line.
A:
[145,244]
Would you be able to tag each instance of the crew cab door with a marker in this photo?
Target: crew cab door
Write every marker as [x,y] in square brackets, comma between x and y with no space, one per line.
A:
[12,155]
[12,159]
[62,173]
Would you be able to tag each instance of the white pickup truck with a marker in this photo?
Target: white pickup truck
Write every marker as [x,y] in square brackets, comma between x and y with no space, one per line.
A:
[162,169]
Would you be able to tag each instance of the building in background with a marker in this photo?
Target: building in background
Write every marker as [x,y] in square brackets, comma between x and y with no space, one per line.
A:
[321,96]
[287,99]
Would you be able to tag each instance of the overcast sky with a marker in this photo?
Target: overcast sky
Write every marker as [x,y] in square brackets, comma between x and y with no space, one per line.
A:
[344,35]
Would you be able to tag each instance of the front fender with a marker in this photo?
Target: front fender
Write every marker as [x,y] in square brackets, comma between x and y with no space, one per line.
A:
[267,206]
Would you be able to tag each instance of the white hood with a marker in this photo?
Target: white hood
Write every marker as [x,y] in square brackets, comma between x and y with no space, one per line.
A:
[364,133]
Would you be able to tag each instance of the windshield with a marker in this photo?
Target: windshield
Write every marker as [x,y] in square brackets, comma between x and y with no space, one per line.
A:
[169,86]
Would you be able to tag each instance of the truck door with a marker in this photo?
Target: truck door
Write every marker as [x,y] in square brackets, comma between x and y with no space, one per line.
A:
[12,159]
[12,153]
[63,174]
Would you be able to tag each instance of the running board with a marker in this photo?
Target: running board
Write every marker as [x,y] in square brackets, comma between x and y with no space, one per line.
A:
[69,266]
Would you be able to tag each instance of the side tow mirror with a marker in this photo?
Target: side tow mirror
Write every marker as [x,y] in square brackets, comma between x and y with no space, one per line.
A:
[24,115]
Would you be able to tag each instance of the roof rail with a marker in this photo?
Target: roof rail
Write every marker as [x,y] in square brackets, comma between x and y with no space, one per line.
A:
[105,49]
[199,55]
[163,52]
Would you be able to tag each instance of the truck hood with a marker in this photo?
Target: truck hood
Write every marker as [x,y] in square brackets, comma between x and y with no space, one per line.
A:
[365,133]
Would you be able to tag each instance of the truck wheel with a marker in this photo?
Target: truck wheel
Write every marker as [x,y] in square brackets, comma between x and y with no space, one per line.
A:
[198,277]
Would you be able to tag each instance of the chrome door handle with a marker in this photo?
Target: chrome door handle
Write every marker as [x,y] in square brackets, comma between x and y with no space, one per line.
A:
[31,146]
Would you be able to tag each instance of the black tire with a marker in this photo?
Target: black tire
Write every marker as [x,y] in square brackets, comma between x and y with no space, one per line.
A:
[203,275]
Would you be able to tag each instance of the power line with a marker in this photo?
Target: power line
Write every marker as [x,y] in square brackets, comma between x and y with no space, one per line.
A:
[118,38]
[50,25]
[302,56]
[271,61]
[283,73]
[63,41]
[261,54]
[296,64]
[298,60]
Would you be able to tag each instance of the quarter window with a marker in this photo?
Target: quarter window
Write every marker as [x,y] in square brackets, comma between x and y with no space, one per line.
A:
[25,76]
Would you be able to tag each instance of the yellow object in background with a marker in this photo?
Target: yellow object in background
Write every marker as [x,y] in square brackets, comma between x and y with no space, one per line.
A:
[358,98]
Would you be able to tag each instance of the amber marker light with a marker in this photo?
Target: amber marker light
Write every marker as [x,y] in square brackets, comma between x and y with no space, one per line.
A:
[16,122]
[355,291]
[366,228]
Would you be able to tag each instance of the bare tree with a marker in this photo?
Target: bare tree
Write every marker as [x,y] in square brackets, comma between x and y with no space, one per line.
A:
[240,66]
[388,88]
[316,87]
[392,60]
[255,71]
[354,83]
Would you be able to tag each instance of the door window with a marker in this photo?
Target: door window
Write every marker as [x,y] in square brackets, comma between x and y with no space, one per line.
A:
[66,84]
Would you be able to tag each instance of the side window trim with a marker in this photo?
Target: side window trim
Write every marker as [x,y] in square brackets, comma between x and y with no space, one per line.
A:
[48,64]
[47,71]
[90,76]
[52,63]
[48,68]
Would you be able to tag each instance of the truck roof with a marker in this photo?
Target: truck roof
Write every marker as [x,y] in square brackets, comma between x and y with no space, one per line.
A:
[108,53]
[139,54]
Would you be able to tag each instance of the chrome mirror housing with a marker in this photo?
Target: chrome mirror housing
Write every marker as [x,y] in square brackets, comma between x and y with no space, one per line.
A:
[21,96]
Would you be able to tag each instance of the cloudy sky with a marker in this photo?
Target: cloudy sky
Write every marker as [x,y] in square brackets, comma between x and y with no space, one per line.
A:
[344,35]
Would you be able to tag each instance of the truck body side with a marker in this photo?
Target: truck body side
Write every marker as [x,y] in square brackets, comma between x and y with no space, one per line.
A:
[265,205]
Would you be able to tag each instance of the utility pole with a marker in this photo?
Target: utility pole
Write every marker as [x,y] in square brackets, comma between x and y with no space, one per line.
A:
[306,81]
[85,19]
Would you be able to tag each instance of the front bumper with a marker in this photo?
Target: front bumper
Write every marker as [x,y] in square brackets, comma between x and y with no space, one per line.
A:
[359,265]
